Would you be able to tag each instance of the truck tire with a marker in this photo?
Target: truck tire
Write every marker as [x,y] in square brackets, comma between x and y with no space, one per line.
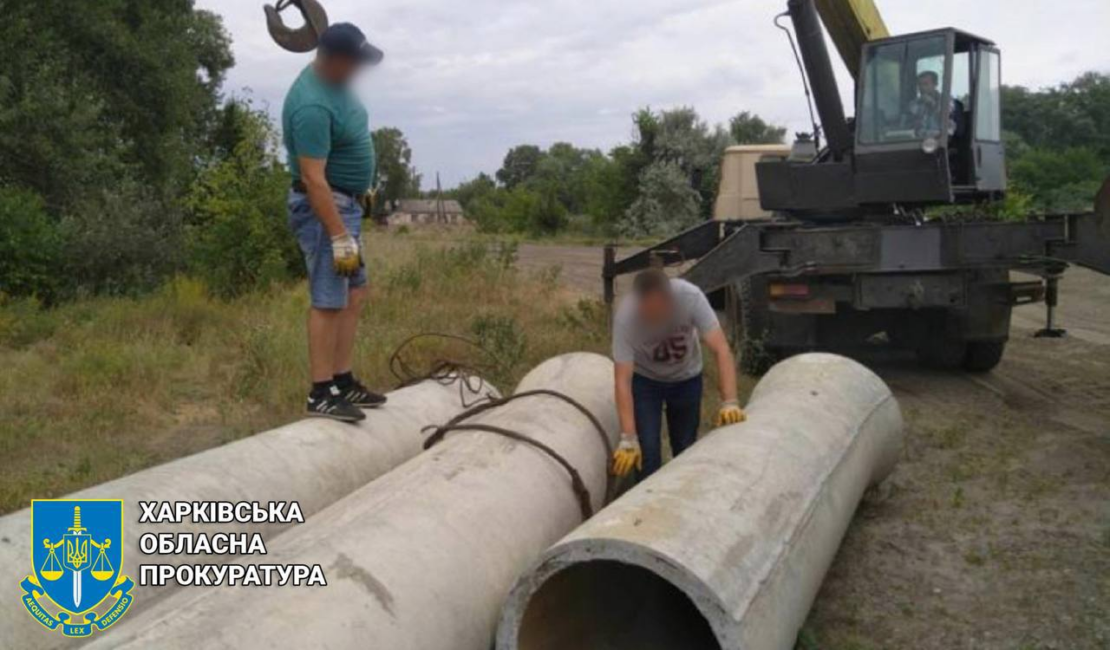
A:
[983,356]
[942,353]
[756,357]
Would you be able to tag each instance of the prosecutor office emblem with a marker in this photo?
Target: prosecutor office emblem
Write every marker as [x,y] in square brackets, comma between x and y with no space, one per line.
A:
[77,558]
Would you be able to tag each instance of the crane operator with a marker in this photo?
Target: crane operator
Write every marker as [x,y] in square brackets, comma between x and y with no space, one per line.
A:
[924,113]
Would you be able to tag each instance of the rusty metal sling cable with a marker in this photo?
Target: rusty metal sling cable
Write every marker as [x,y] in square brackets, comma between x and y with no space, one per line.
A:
[581,492]
[470,376]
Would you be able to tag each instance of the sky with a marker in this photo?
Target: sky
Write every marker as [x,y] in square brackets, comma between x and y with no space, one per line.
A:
[465,81]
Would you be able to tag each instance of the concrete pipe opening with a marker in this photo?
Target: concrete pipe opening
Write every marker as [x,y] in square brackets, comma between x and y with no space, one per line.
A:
[609,605]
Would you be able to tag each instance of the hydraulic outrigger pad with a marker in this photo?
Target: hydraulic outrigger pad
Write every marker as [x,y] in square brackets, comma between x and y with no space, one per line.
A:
[305,37]
[1051,301]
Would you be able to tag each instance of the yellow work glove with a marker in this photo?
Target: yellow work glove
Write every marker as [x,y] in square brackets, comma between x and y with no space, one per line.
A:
[628,455]
[730,413]
[346,258]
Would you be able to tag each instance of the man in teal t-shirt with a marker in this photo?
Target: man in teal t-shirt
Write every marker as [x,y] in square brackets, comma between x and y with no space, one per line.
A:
[331,155]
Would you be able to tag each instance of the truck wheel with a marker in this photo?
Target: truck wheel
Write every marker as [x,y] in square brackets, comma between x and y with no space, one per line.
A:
[756,358]
[983,356]
[942,353]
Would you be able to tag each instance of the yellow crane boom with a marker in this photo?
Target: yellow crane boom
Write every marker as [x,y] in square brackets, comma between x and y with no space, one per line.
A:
[850,24]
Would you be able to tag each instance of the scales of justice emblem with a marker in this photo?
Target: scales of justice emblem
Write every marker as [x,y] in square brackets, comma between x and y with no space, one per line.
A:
[77,557]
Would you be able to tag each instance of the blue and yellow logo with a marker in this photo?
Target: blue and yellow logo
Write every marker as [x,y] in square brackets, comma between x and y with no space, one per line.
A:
[77,558]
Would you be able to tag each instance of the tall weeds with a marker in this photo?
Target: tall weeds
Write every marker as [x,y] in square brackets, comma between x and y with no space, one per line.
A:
[102,387]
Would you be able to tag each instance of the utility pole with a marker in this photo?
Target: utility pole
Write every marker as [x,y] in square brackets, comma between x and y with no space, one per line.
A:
[441,213]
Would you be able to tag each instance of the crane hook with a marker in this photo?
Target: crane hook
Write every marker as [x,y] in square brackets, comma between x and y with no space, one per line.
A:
[304,38]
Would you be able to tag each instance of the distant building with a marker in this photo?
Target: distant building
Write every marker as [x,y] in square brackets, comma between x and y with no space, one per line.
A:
[421,212]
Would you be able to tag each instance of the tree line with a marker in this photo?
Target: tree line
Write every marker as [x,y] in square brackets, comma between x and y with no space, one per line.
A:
[661,182]
[1057,142]
[123,163]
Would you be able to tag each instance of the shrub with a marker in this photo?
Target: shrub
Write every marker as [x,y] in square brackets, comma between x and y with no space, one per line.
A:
[522,209]
[504,338]
[667,203]
[118,241]
[238,238]
[1059,180]
[29,246]
[548,216]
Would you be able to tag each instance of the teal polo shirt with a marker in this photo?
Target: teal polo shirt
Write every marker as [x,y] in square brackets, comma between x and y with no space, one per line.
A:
[320,120]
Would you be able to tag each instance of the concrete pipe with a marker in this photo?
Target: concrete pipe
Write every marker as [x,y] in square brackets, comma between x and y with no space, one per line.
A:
[314,462]
[422,558]
[726,547]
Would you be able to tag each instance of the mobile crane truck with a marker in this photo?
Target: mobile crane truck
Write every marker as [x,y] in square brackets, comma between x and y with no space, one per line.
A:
[852,247]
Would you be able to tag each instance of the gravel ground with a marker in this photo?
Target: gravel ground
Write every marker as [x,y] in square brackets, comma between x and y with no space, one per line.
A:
[994,531]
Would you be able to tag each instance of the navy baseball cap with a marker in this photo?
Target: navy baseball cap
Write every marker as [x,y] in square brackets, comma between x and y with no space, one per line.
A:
[344,39]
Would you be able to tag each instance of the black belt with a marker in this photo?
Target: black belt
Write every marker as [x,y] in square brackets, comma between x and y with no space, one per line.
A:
[298,186]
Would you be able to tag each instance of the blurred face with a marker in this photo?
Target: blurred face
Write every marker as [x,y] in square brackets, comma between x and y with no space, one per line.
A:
[927,85]
[655,307]
[338,70]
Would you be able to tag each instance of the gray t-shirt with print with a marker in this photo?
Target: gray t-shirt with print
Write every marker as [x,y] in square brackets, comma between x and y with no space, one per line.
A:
[671,351]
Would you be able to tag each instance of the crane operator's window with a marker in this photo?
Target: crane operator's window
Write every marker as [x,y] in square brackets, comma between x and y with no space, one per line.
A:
[903,98]
[988,118]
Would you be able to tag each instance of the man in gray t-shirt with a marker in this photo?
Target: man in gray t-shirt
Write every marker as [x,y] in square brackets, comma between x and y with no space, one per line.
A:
[657,333]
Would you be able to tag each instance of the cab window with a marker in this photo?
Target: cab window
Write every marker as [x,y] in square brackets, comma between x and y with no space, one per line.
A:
[988,111]
[902,96]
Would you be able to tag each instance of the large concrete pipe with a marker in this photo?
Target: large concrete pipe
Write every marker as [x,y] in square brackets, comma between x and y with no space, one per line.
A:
[726,547]
[314,462]
[422,558]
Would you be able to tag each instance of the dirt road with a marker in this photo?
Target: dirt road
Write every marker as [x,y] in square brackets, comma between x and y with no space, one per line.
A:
[994,531]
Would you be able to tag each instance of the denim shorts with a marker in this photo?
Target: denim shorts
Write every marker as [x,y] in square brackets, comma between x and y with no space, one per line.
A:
[328,290]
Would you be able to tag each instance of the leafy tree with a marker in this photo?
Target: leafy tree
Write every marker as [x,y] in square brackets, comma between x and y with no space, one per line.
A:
[748,128]
[106,109]
[235,122]
[397,178]
[610,185]
[607,187]
[563,168]
[680,137]
[548,215]
[470,191]
[1058,142]
[144,78]
[1071,115]
[666,204]
[520,164]
[487,211]
[535,211]
[75,150]
[29,246]
[121,239]
[236,205]
[1065,180]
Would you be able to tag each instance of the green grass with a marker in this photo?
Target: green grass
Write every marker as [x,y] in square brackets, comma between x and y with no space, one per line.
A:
[103,387]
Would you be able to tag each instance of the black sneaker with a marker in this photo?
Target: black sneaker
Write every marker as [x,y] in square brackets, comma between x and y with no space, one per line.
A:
[360,396]
[332,405]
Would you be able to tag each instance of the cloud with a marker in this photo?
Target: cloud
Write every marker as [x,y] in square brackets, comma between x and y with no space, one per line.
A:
[467,80]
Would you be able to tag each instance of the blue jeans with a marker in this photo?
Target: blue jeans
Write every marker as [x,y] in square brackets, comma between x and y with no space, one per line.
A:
[328,290]
[682,402]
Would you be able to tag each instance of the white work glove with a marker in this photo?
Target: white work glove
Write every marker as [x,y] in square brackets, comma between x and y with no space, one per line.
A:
[627,455]
[346,258]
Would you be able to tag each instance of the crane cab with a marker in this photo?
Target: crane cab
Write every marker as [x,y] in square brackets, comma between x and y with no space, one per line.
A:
[928,125]
[927,131]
